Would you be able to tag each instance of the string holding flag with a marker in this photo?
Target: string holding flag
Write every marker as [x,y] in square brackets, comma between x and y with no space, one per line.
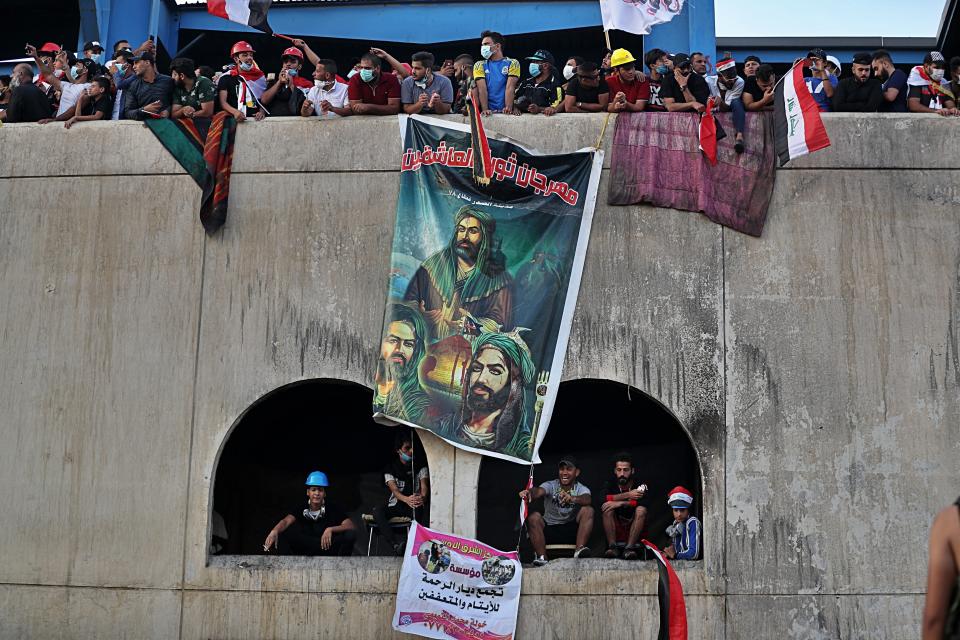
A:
[798,128]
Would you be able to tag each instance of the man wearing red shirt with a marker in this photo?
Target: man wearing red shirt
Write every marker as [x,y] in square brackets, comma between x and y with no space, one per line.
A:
[373,92]
[627,91]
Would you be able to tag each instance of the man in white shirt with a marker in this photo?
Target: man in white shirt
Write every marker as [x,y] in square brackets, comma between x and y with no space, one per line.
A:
[69,88]
[328,98]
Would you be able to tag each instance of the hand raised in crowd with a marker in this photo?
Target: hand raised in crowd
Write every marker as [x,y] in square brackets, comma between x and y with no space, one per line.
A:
[298,43]
[326,540]
[380,53]
[447,69]
[284,77]
[31,50]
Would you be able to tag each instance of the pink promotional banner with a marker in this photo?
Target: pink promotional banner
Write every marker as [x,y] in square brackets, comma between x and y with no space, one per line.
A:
[453,587]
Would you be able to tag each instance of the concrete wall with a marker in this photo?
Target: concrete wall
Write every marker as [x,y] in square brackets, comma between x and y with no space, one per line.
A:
[816,370]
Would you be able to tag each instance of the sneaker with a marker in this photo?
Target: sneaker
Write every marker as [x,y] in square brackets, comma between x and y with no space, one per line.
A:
[612,552]
[539,561]
[398,548]
[582,552]
[631,553]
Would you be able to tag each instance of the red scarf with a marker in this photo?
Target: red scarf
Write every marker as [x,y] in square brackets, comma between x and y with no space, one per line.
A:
[302,83]
[250,76]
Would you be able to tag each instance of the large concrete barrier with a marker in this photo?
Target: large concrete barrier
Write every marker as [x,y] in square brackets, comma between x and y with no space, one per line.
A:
[816,370]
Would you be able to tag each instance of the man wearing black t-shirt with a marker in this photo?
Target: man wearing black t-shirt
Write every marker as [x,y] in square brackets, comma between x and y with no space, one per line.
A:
[860,92]
[658,63]
[320,529]
[27,103]
[624,510]
[758,91]
[684,90]
[587,92]
[409,492]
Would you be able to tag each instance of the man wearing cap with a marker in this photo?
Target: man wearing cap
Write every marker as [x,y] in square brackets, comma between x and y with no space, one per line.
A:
[320,529]
[860,92]
[151,94]
[70,89]
[193,95]
[894,87]
[239,90]
[424,91]
[820,82]
[47,54]
[540,92]
[94,51]
[926,93]
[684,90]
[629,92]
[409,491]
[567,514]
[287,94]
[685,532]
[727,89]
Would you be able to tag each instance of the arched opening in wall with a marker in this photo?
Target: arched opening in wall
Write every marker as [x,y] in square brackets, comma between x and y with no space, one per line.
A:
[313,425]
[595,420]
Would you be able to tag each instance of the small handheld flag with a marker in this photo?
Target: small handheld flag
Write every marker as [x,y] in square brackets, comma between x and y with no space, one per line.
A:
[252,13]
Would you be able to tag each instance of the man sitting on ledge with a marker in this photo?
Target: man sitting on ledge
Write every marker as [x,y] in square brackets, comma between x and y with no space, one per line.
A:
[321,529]
[567,514]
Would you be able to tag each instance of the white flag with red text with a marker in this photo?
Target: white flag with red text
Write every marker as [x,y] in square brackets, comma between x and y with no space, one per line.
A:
[637,16]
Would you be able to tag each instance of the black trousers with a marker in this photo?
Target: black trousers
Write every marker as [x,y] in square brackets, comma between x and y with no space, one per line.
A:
[383,513]
[298,541]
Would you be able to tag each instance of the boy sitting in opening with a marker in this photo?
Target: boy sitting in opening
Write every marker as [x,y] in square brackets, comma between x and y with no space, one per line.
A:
[319,530]
[567,514]
[94,103]
[685,532]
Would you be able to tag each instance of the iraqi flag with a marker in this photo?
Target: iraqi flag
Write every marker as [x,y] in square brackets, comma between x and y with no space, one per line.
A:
[708,133]
[524,504]
[637,16]
[673,611]
[798,129]
[252,13]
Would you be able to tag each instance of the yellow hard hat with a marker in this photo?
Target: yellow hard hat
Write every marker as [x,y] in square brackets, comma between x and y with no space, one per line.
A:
[621,56]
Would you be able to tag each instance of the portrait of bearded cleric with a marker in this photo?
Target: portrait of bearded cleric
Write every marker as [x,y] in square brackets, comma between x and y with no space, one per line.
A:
[494,412]
[397,392]
[468,277]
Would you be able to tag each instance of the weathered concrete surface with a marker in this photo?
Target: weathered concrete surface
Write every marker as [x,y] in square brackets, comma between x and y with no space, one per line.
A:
[816,370]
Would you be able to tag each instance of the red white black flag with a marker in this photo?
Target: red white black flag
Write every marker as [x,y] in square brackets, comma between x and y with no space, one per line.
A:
[798,129]
[252,13]
[708,133]
[673,611]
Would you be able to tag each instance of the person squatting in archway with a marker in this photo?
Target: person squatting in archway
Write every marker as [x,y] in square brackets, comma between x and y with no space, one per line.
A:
[624,511]
[320,529]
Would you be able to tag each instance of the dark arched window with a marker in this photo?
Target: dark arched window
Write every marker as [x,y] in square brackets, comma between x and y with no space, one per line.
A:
[316,424]
[594,420]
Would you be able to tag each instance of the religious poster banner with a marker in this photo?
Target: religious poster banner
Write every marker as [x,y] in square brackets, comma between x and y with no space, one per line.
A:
[482,288]
[452,587]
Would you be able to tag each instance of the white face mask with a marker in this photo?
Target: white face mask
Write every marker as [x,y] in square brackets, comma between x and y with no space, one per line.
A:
[568,71]
[936,75]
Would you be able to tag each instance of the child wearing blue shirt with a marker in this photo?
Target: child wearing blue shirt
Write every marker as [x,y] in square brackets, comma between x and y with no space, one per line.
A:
[685,532]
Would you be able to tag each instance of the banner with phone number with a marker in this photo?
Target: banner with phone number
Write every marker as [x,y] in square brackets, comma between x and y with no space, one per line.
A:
[453,587]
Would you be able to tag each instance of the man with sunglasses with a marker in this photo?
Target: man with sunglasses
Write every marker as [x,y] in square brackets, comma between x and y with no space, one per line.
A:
[684,90]
[587,91]
[630,92]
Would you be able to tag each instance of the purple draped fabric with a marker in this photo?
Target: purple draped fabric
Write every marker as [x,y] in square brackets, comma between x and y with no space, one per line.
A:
[656,160]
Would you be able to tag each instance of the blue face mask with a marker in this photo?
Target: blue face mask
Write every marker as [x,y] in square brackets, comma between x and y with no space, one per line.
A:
[486,51]
[352,73]
[662,69]
[366,75]
[534,69]
[292,73]
[246,66]
[405,457]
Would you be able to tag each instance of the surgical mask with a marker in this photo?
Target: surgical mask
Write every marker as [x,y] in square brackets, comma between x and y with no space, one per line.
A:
[97,57]
[568,71]
[72,73]
[662,69]
[352,73]
[405,457]
[246,66]
[534,69]
[936,75]
[366,75]
[486,51]
[292,73]
[421,83]
[320,83]
[58,73]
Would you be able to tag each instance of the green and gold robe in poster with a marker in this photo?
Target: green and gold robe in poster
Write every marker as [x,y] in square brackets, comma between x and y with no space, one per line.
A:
[483,284]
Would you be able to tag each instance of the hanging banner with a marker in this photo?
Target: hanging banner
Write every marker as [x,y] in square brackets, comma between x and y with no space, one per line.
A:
[483,284]
[452,587]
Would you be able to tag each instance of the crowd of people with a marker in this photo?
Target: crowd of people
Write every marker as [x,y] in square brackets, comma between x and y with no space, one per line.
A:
[64,87]
[320,527]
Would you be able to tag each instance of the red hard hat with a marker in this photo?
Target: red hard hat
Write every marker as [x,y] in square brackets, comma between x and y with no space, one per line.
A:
[51,47]
[240,47]
[292,51]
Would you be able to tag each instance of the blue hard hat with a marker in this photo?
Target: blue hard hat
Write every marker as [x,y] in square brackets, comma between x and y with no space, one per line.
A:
[317,479]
